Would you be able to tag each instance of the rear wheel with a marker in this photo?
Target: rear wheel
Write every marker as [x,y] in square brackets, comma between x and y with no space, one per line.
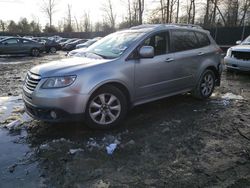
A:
[53,50]
[106,108]
[205,86]
[35,52]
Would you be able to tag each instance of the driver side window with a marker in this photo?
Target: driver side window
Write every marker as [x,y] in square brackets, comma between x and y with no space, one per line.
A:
[11,41]
[160,43]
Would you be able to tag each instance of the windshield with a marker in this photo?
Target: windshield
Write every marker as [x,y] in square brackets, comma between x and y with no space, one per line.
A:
[114,45]
[246,41]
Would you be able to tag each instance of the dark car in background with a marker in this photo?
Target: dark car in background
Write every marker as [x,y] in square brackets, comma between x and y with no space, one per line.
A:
[62,44]
[72,45]
[62,40]
[81,48]
[88,43]
[4,37]
[51,46]
[17,45]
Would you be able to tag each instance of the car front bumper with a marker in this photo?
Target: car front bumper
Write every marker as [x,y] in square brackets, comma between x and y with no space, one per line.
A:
[55,104]
[237,64]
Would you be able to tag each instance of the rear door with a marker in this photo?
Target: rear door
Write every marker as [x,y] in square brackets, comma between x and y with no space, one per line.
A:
[185,46]
[26,45]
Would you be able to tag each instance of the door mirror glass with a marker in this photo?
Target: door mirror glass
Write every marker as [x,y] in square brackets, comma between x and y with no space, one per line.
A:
[238,42]
[146,52]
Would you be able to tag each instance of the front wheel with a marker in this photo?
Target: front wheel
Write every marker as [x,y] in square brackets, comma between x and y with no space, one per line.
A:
[106,108]
[35,52]
[52,50]
[205,86]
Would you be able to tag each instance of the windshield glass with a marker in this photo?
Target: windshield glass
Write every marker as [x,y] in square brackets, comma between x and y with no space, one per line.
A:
[246,41]
[113,45]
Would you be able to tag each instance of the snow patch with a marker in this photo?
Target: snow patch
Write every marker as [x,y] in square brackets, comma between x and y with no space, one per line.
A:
[231,96]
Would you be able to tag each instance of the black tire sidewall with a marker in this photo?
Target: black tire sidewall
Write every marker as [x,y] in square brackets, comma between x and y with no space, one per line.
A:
[52,50]
[33,54]
[200,82]
[120,96]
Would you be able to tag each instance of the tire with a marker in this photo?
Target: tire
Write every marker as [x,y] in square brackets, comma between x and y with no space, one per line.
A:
[52,50]
[35,52]
[205,85]
[106,108]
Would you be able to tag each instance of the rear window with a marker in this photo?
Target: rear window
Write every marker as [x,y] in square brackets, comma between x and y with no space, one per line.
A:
[203,39]
[184,40]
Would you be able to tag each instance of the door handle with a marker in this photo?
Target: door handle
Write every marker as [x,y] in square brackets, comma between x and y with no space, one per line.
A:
[201,53]
[168,60]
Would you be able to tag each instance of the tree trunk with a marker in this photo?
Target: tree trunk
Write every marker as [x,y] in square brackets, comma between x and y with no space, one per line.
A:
[177,11]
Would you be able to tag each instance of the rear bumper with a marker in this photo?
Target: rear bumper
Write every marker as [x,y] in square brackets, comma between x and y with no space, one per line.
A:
[237,64]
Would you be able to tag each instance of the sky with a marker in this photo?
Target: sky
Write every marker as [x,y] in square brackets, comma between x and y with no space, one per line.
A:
[31,9]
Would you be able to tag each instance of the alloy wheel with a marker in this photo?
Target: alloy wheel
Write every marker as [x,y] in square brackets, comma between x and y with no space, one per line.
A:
[207,84]
[105,108]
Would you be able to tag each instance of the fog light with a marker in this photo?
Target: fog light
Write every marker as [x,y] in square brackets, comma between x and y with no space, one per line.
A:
[53,114]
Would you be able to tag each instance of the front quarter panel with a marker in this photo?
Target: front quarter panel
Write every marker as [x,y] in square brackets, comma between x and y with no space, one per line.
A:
[117,71]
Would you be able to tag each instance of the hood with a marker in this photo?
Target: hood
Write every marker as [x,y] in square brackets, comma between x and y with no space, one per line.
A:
[68,66]
[242,48]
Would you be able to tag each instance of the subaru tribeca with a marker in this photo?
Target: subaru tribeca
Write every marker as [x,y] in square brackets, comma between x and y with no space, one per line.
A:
[122,70]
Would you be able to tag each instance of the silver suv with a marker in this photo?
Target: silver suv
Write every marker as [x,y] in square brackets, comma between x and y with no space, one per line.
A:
[122,70]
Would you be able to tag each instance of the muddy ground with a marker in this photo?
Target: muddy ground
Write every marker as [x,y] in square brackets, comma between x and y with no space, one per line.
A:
[175,142]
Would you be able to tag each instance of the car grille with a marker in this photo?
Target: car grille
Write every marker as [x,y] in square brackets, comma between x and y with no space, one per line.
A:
[241,55]
[32,81]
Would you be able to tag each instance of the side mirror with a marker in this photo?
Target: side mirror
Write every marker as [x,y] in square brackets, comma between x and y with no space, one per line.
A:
[146,52]
[238,41]
[5,43]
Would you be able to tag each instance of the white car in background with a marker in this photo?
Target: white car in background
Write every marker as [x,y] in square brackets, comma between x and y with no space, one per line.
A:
[81,48]
[238,57]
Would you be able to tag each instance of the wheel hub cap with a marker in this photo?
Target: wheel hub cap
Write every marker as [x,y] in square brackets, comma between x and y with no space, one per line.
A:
[105,109]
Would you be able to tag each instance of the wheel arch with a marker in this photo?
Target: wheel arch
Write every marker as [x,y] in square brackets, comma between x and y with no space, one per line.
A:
[216,73]
[122,87]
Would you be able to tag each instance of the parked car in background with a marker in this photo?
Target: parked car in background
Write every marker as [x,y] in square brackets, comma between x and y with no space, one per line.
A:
[4,37]
[51,46]
[62,40]
[238,57]
[80,51]
[122,70]
[55,38]
[72,45]
[88,43]
[17,45]
[62,44]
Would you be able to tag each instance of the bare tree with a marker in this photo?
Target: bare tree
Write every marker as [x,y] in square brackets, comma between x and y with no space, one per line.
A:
[245,9]
[110,16]
[86,22]
[191,12]
[129,13]
[77,24]
[48,8]
[140,10]
[2,25]
[68,26]
[177,11]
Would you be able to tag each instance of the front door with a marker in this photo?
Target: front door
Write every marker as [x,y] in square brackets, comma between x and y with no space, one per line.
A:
[155,76]
[11,46]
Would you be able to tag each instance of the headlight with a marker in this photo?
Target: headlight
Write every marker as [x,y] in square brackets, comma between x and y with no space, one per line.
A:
[229,52]
[58,82]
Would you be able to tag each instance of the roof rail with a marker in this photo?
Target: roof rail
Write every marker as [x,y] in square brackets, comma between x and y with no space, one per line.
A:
[187,25]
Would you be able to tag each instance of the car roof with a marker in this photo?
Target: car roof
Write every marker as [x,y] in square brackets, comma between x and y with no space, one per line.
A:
[157,27]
